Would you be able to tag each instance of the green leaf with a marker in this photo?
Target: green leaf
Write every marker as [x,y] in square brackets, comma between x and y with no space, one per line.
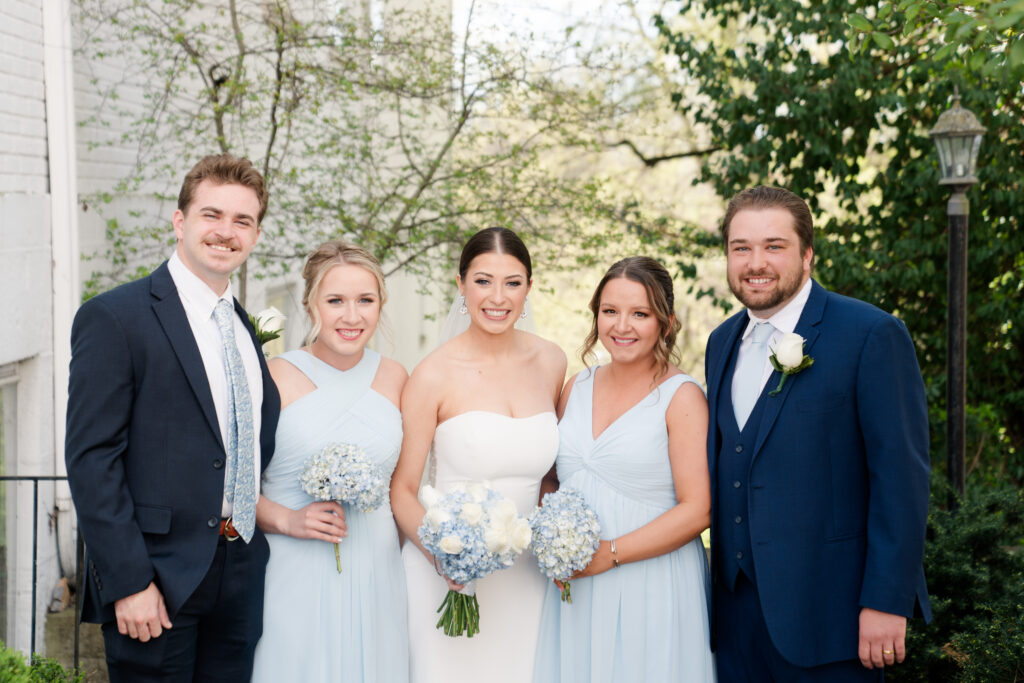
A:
[860,22]
[883,40]
[944,52]
[912,12]
[1007,20]
[884,11]
[1017,53]
[992,65]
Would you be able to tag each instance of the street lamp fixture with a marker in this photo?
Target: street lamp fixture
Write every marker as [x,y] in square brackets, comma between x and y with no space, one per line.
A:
[957,135]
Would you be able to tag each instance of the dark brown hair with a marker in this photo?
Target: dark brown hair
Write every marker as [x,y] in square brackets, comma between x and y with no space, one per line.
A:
[224,169]
[495,241]
[658,284]
[767,197]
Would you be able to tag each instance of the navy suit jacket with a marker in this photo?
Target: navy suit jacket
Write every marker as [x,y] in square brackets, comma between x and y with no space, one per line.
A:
[144,453]
[838,482]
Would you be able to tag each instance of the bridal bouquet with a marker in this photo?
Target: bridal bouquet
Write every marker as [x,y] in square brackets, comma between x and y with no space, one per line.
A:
[566,534]
[343,473]
[472,531]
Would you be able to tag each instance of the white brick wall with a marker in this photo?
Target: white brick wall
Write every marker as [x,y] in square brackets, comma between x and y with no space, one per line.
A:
[22,104]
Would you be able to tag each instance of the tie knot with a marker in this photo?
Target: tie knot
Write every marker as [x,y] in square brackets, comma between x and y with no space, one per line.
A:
[761,332]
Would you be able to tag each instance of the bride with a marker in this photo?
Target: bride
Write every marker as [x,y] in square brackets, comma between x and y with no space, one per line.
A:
[484,404]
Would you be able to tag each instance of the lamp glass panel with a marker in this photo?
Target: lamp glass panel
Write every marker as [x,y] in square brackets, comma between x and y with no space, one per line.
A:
[974,153]
[961,150]
[942,145]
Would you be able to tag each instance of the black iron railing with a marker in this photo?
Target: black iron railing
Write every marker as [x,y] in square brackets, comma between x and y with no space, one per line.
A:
[79,553]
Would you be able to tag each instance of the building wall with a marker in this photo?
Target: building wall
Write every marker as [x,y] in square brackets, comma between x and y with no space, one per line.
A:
[26,305]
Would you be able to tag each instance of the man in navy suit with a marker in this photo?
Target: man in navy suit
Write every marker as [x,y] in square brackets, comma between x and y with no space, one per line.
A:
[820,489]
[170,405]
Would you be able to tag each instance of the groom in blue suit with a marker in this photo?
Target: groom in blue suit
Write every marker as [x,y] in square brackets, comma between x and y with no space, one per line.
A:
[171,417]
[820,487]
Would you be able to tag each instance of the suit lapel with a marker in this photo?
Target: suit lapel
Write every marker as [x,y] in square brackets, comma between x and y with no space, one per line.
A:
[171,314]
[732,329]
[806,327]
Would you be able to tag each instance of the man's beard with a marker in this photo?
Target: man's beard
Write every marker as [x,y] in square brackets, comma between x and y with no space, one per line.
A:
[786,288]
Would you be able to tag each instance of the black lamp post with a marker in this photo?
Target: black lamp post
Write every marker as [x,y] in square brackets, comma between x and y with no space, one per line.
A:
[957,136]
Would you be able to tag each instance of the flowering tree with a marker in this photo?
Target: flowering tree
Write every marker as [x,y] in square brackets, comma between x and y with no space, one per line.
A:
[399,134]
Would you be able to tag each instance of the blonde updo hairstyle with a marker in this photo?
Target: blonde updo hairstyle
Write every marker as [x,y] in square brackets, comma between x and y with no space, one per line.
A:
[660,296]
[328,255]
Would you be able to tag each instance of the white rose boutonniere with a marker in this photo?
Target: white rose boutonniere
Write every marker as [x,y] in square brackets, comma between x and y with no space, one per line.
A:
[268,323]
[788,358]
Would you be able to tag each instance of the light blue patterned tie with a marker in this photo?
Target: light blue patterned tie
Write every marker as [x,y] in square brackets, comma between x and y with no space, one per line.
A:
[750,372]
[240,478]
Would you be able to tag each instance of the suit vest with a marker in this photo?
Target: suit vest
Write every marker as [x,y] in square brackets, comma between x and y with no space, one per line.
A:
[734,458]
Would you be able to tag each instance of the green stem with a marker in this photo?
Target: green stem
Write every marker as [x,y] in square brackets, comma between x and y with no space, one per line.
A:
[337,556]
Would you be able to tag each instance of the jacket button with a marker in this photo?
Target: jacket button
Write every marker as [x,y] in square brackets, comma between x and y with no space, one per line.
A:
[739,554]
[739,448]
[212,522]
[738,519]
[218,463]
[736,484]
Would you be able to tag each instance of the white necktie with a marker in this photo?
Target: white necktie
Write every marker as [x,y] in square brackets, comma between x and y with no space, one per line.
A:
[750,372]
[240,478]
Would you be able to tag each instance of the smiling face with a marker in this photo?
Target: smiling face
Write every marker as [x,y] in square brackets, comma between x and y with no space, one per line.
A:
[495,287]
[626,324]
[766,268]
[217,231]
[347,306]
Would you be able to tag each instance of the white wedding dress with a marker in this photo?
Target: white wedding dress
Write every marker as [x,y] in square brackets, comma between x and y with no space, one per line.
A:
[513,454]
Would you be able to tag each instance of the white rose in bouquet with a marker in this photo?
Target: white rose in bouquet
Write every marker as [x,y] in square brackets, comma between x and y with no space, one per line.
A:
[472,513]
[451,545]
[429,496]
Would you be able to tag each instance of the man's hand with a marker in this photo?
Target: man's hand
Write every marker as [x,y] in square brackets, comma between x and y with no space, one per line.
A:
[881,638]
[142,615]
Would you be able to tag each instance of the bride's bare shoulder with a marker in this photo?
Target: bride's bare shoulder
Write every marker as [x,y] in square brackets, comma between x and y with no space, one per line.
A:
[546,351]
[435,367]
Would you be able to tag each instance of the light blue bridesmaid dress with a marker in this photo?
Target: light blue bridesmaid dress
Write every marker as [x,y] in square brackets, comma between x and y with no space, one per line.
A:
[319,625]
[647,620]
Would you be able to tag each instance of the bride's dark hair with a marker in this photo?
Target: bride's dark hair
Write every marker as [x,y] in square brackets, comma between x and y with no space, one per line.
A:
[658,284]
[496,240]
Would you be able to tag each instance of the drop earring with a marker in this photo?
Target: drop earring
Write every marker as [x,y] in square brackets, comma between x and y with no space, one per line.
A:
[462,305]
[526,302]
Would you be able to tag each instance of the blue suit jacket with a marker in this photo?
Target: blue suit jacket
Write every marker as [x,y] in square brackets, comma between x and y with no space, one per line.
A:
[838,483]
[144,454]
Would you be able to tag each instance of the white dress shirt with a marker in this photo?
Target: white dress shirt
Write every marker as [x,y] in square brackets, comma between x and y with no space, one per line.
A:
[199,302]
[783,321]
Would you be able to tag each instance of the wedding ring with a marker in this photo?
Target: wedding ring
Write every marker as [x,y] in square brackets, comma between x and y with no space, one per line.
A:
[888,652]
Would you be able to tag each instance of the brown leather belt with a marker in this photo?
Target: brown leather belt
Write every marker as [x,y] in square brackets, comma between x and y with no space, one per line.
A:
[228,531]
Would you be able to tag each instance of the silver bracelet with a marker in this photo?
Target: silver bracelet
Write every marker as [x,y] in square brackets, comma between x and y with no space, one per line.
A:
[615,558]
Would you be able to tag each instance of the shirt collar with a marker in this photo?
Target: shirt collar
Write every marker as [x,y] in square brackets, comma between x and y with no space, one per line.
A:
[784,320]
[195,294]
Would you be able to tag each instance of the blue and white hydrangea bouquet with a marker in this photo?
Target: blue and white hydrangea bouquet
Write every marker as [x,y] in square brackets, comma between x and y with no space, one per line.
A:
[343,473]
[472,531]
[566,535]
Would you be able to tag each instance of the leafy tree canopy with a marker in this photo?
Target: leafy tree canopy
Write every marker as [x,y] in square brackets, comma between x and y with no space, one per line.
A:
[982,35]
[789,103]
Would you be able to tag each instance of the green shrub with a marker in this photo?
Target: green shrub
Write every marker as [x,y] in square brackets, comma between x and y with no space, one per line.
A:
[14,669]
[976,581]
